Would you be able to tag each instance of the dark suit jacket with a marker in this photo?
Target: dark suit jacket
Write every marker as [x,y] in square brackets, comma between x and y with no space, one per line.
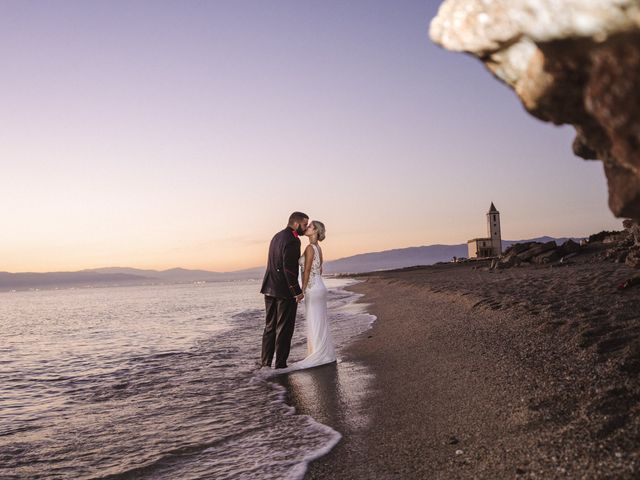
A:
[281,277]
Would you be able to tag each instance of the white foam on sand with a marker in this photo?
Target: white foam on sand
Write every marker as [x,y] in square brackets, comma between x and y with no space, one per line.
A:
[299,469]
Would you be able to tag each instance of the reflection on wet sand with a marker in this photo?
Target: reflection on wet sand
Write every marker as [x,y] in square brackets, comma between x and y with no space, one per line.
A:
[313,392]
[332,394]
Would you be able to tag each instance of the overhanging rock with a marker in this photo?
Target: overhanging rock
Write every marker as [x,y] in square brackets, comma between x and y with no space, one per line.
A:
[571,62]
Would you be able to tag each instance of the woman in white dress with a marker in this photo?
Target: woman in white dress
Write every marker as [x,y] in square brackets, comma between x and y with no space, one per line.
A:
[320,349]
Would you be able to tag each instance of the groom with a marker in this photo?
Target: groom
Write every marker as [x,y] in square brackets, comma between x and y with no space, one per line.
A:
[282,291]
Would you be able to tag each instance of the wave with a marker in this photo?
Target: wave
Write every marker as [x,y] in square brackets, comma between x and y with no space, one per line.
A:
[151,407]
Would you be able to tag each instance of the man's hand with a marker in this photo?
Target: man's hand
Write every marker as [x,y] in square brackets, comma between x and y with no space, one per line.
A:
[299,297]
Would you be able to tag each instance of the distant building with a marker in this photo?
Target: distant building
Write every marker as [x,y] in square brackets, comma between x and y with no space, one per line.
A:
[491,246]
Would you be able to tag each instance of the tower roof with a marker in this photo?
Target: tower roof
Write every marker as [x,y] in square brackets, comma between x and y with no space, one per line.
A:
[493,209]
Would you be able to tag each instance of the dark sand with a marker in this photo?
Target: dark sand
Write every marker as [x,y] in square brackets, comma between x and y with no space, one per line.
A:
[530,372]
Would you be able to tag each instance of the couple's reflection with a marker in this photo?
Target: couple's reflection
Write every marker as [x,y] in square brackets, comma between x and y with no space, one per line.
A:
[332,394]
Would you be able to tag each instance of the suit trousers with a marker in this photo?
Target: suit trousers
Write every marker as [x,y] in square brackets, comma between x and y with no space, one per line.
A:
[278,330]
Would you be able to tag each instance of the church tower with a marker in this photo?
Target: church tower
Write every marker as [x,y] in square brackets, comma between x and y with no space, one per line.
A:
[493,230]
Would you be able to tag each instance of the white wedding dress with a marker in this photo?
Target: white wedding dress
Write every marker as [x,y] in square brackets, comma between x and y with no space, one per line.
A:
[320,349]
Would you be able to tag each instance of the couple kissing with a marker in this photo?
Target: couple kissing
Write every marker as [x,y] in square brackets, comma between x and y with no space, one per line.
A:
[282,294]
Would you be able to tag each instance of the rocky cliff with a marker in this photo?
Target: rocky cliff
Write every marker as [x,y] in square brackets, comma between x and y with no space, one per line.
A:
[571,62]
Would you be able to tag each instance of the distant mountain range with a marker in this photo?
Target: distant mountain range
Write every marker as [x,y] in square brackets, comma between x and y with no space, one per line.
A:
[408,257]
[366,262]
[115,276]
[182,275]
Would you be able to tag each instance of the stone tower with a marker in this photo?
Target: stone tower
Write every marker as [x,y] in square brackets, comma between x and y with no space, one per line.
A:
[493,230]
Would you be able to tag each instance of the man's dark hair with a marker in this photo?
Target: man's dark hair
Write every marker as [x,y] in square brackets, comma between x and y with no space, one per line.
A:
[297,217]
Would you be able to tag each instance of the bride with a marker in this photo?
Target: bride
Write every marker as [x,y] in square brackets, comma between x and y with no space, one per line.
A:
[320,349]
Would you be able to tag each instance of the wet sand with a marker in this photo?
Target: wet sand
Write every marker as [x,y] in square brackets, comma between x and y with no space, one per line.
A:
[530,372]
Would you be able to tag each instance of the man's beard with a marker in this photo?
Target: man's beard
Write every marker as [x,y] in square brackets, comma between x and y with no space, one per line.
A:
[300,230]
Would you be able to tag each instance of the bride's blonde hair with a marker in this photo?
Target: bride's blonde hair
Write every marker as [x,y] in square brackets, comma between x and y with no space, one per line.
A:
[322,232]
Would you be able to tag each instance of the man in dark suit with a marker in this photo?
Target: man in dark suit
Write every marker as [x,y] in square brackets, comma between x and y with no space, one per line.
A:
[282,291]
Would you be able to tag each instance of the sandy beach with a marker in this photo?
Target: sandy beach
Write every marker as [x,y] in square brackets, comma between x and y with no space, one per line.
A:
[527,372]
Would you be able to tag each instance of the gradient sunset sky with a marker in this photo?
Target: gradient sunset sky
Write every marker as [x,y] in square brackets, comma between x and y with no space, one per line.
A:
[157,134]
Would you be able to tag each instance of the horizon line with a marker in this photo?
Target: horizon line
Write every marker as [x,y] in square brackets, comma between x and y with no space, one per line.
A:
[264,266]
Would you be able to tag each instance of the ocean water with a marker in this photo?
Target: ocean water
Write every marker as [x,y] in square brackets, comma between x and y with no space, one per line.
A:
[152,382]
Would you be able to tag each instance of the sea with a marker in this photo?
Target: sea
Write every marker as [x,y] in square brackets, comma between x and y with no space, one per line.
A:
[153,382]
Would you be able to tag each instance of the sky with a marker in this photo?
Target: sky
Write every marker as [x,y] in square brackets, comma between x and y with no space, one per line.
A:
[161,134]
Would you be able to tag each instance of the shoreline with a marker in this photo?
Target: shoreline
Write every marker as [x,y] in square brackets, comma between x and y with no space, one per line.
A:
[523,373]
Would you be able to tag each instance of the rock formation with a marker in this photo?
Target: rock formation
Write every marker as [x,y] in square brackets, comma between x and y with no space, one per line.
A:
[571,62]
[632,233]
[536,253]
[619,247]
